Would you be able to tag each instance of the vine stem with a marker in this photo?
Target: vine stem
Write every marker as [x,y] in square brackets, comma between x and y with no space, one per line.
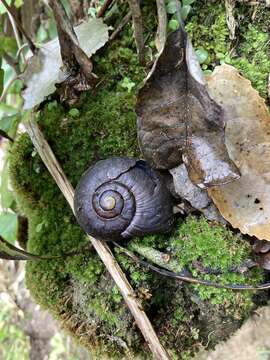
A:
[104,252]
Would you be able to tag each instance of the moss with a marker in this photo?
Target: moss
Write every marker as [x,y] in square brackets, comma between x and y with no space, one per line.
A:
[253,58]
[250,55]
[203,315]
[77,289]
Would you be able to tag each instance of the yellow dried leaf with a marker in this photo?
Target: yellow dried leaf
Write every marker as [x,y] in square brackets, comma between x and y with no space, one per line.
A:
[245,203]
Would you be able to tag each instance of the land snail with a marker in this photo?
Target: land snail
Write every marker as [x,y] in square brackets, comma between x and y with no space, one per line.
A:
[122,197]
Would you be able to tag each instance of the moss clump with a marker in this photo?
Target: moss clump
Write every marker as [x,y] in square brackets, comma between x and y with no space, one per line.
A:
[208,29]
[203,315]
[254,57]
[81,294]
[77,289]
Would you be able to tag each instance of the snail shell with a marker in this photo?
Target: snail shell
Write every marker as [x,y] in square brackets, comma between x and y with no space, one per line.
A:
[122,197]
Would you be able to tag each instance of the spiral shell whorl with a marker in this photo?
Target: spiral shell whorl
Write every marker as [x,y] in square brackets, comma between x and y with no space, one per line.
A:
[120,198]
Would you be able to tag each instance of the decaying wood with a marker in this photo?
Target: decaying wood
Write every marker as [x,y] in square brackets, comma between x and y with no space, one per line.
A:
[101,247]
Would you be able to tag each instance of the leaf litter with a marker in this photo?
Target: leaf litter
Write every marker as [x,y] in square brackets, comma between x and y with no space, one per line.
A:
[45,69]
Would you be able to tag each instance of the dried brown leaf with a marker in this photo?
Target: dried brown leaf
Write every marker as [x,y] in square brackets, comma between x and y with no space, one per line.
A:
[45,69]
[178,120]
[244,203]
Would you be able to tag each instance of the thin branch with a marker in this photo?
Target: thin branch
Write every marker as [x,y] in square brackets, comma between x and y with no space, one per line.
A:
[119,28]
[103,8]
[138,28]
[16,34]
[162,25]
[10,83]
[5,135]
[231,22]
[12,14]
[183,276]
[101,247]
[12,62]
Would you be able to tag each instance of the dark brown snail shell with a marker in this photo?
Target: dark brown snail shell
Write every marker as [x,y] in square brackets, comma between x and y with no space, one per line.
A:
[122,197]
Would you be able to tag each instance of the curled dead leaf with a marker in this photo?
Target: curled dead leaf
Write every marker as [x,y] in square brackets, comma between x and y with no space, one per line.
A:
[45,69]
[178,120]
[245,203]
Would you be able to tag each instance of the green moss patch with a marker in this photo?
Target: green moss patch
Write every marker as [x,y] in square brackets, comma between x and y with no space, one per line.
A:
[250,54]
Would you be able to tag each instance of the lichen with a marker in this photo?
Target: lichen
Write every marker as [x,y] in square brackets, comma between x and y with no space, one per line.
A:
[77,289]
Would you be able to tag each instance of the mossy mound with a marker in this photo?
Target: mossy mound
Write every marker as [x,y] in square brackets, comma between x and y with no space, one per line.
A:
[77,289]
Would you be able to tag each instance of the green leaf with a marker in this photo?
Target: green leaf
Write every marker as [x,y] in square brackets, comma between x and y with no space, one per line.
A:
[2,7]
[8,226]
[9,124]
[42,34]
[18,3]
[92,11]
[173,24]
[7,199]
[8,45]
[188,2]
[127,84]
[74,113]
[185,10]
[2,73]
[171,7]
[52,29]
[7,110]
[202,55]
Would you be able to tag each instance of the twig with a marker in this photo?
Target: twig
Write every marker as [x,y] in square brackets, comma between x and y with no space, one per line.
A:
[138,28]
[156,257]
[13,16]
[162,25]
[16,34]
[12,62]
[22,47]
[5,92]
[268,87]
[103,8]
[119,28]
[231,23]
[101,247]
[183,276]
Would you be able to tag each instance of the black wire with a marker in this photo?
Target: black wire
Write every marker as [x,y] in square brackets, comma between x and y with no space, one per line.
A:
[184,277]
